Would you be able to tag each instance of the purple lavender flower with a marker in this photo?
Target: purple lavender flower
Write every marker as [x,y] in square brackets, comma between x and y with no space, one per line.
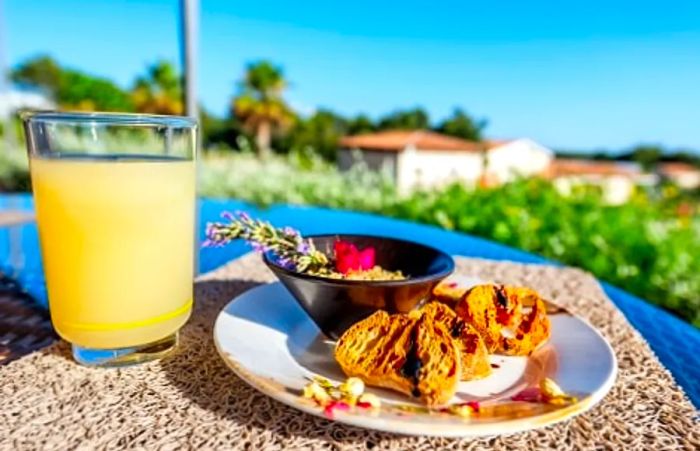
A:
[258,247]
[286,263]
[292,232]
[214,237]
[303,247]
[291,250]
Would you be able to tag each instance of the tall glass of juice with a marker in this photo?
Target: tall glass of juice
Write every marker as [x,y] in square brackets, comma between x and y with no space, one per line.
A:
[115,205]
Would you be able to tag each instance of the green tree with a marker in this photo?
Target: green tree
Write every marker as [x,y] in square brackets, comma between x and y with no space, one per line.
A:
[414,119]
[259,104]
[461,125]
[71,89]
[647,156]
[360,124]
[683,155]
[217,131]
[159,90]
[321,132]
[42,72]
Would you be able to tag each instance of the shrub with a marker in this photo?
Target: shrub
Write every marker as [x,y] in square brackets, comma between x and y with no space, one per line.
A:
[643,246]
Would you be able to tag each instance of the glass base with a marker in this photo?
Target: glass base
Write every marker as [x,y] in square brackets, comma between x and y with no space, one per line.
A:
[110,358]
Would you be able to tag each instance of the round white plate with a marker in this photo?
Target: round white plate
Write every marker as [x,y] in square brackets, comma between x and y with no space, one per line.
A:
[271,343]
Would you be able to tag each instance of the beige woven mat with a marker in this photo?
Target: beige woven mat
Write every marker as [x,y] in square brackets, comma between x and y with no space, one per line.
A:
[192,400]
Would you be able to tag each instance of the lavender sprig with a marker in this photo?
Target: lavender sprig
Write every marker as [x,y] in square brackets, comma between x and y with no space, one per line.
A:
[290,249]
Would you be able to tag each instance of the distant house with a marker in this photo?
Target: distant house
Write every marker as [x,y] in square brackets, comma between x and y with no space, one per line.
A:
[684,175]
[426,159]
[617,179]
[12,101]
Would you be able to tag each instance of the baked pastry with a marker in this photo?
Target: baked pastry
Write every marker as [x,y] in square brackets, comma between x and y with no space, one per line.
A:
[408,353]
[533,330]
[474,357]
[449,292]
[496,312]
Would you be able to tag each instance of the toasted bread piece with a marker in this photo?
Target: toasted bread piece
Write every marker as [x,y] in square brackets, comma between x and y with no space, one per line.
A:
[496,312]
[373,348]
[488,309]
[533,331]
[474,357]
[404,353]
[449,292]
[438,359]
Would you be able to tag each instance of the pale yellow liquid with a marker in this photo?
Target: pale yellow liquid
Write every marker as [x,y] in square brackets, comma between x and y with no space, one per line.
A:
[117,241]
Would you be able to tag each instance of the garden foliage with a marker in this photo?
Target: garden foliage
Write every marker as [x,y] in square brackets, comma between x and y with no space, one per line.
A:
[648,246]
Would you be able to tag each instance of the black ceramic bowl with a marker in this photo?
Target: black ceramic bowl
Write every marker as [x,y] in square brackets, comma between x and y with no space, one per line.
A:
[336,304]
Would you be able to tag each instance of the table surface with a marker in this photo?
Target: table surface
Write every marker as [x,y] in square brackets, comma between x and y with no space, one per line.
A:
[674,341]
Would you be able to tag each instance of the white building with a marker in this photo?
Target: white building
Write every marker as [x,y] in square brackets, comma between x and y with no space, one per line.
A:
[428,159]
[12,101]
[684,175]
[617,180]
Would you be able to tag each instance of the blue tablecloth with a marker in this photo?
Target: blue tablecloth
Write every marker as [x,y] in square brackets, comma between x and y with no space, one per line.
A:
[674,341]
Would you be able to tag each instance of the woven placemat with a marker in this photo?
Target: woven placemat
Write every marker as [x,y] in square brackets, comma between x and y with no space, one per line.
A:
[192,400]
[24,326]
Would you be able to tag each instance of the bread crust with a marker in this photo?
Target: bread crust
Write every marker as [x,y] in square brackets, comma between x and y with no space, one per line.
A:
[448,293]
[474,357]
[409,354]
[426,353]
[497,313]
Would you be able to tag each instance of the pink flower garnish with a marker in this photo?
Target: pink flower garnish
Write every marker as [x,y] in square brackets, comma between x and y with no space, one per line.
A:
[349,258]
[531,394]
[548,392]
[474,405]
[330,409]
[366,258]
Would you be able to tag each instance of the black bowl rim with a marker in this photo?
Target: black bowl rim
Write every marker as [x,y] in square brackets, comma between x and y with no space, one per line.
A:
[374,283]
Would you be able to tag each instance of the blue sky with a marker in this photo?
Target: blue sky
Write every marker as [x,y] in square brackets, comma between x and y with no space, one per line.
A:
[575,75]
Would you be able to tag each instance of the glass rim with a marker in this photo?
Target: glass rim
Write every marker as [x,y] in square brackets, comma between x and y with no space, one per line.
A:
[107,118]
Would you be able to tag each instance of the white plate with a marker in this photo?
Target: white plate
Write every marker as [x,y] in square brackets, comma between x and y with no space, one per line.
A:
[271,343]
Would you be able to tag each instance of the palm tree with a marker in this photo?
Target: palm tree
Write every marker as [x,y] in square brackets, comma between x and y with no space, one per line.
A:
[159,91]
[260,106]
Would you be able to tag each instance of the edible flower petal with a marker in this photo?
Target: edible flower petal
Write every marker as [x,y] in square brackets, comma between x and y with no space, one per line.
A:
[530,394]
[474,405]
[313,390]
[348,258]
[553,394]
[547,392]
[333,406]
[366,258]
[461,410]
[369,401]
[352,388]
[464,409]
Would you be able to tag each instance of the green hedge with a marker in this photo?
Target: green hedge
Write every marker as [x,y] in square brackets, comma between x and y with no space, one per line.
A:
[648,246]
[643,246]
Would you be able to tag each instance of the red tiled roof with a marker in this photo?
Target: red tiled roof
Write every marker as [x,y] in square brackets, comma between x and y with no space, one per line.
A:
[568,167]
[398,140]
[677,168]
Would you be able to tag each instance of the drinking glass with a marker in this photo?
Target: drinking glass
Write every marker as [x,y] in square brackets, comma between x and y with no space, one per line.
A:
[115,205]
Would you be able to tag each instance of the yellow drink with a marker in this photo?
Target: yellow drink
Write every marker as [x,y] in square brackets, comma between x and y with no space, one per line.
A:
[117,241]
